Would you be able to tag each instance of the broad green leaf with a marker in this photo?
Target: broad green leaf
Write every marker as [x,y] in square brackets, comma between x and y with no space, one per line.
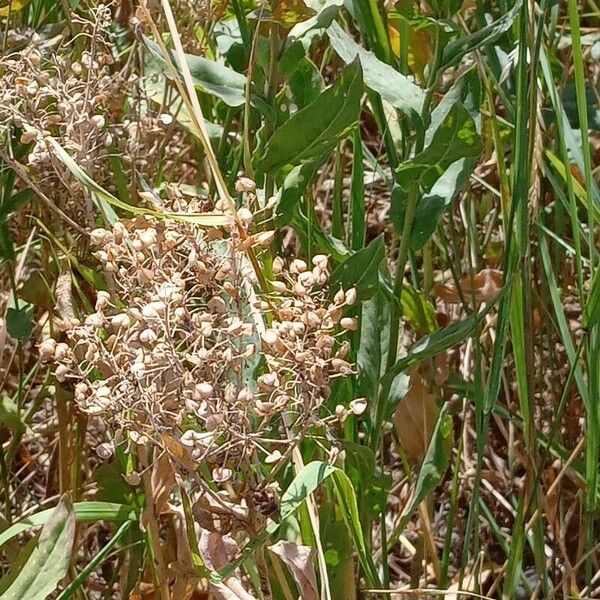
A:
[455,139]
[49,562]
[158,90]
[371,355]
[305,83]
[84,512]
[458,49]
[9,415]
[307,481]
[438,199]
[19,321]
[346,498]
[370,483]
[318,127]
[292,189]
[208,75]
[339,557]
[361,271]
[391,85]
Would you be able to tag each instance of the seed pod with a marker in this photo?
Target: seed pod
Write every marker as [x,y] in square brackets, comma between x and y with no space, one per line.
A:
[349,324]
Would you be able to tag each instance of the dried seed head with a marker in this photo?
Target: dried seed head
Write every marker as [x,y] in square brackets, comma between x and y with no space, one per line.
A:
[46,349]
[349,323]
[320,260]
[273,457]
[270,337]
[245,185]
[298,266]
[351,296]
[222,474]
[120,321]
[102,300]
[358,406]
[148,336]
[61,352]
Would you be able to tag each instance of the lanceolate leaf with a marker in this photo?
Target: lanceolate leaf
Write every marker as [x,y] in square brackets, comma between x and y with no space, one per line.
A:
[84,512]
[213,77]
[445,163]
[438,199]
[49,562]
[433,468]
[318,127]
[361,271]
[457,49]
[439,341]
[391,85]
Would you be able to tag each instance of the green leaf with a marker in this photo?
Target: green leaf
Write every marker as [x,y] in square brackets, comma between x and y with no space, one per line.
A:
[371,484]
[84,512]
[15,202]
[307,481]
[456,50]
[440,341]
[305,83]
[303,485]
[318,127]
[391,85]
[210,76]
[98,559]
[569,99]
[49,562]
[9,415]
[292,189]
[19,322]
[107,200]
[361,271]
[455,139]
[438,199]
[374,334]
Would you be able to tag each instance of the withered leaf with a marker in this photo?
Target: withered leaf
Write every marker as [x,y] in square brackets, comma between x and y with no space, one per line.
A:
[299,561]
[415,419]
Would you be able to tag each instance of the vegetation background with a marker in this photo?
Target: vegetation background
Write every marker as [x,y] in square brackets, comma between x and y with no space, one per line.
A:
[299,299]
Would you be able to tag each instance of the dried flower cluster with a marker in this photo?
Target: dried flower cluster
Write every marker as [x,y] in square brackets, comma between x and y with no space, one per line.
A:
[182,345]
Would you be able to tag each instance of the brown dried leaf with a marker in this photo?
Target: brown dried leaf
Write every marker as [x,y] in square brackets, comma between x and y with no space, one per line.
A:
[484,286]
[415,418]
[179,452]
[218,550]
[162,480]
[299,561]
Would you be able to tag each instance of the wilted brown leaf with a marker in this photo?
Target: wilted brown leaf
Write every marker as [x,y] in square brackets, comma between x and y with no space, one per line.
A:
[299,561]
[179,452]
[484,286]
[217,550]
[415,418]
[162,479]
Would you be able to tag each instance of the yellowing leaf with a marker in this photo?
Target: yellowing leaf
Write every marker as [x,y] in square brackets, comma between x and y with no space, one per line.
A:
[290,12]
[12,7]
[420,46]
